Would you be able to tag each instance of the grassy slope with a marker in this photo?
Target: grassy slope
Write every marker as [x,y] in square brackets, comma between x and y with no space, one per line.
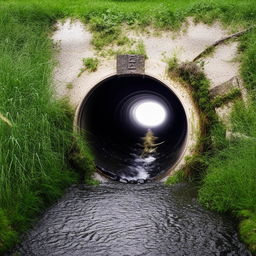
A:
[33,171]
[32,152]
[230,183]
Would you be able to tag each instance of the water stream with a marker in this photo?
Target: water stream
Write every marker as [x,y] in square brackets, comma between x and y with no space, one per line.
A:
[118,219]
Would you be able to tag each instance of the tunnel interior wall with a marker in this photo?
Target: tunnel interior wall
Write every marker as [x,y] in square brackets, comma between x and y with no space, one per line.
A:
[105,116]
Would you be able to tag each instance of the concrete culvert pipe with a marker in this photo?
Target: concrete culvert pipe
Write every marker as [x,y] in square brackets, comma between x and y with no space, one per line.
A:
[118,112]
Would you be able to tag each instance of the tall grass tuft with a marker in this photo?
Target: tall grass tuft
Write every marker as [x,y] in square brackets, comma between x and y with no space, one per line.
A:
[33,168]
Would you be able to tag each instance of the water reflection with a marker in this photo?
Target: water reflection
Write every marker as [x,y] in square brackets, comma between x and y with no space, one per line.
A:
[127,219]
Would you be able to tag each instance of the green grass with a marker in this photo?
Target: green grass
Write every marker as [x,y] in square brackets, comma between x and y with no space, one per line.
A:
[230,183]
[33,167]
[82,159]
[90,64]
[248,48]
[178,177]
[247,227]
[35,144]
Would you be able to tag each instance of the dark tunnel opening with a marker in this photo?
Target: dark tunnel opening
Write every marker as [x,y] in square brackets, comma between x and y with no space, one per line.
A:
[109,115]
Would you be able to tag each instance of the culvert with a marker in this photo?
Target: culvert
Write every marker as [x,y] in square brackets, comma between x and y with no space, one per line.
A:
[118,112]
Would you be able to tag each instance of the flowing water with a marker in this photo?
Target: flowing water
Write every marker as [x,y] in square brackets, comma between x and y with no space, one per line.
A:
[118,219]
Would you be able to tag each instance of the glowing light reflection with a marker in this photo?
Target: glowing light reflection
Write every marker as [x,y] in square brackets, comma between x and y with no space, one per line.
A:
[149,113]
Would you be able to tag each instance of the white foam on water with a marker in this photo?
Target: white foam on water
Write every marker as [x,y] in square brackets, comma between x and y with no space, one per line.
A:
[148,159]
[141,174]
[140,168]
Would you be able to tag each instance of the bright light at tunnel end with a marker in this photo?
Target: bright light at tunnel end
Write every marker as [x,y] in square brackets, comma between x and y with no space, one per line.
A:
[149,113]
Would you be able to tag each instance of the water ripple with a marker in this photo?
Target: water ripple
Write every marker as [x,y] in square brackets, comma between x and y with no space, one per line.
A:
[131,220]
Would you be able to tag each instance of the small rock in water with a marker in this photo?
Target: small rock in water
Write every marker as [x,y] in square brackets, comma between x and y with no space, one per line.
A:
[132,181]
[141,181]
[123,180]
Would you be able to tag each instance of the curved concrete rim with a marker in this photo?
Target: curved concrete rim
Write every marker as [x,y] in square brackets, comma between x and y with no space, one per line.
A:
[167,84]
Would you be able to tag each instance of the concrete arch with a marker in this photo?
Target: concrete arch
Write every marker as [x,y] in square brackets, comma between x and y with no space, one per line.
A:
[193,123]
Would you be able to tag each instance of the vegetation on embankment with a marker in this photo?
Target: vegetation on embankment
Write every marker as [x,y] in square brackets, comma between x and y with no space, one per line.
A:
[36,131]
[212,133]
[224,167]
[230,182]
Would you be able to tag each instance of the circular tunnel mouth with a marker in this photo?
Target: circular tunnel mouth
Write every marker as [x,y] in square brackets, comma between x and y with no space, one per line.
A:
[136,127]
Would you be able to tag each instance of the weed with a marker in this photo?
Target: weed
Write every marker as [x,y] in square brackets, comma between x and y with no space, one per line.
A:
[249,62]
[198,84]
[105,30]
[82,159]
[34,170]
[192,74]
[138,48]
[221,100]
[69,86]
[105,38]
[141,49]
[172,64]
[247,228]
[243,119]
[123,41]
[7,235]
[176,178]
[90,64]
[234,182]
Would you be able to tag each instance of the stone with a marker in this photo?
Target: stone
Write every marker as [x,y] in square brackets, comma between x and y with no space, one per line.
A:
[225,88]
[123,180]
[130,64]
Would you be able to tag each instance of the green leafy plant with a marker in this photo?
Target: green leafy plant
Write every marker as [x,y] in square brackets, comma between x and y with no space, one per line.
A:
[90,64]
